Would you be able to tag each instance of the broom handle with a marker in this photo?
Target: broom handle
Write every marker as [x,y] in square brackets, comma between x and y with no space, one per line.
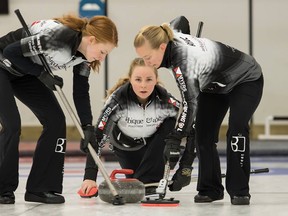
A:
[70,111]
[195,179]
[252,171]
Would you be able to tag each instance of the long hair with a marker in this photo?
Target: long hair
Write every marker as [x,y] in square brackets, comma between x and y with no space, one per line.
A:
[135,63]
[101,27]
[155,35]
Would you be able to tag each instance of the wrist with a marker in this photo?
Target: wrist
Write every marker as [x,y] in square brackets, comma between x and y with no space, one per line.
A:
[86,126]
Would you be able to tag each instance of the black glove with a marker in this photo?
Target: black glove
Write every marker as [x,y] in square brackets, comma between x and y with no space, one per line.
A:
[181,178]
[50,81]
[172,151]
[89,137]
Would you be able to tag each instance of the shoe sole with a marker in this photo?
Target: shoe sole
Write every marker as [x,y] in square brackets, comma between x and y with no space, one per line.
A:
[207,200]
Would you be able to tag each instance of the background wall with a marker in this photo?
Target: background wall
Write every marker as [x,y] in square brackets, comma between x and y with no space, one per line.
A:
[224,20]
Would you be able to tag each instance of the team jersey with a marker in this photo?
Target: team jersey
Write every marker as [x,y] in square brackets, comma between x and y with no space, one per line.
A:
[134,120]
[56,42]
[204,65]
[59,45]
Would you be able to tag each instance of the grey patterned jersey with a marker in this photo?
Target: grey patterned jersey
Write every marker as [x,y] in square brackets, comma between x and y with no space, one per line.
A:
[56,42]
[201,64]
[134,120]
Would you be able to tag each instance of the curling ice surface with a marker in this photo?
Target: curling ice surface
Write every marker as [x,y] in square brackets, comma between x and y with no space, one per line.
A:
[269,195]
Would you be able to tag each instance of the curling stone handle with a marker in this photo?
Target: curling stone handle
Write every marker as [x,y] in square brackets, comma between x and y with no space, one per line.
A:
[120,171]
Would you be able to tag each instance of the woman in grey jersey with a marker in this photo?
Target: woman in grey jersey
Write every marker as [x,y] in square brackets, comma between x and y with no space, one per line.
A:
[212,77]
[67,41]
[137,117]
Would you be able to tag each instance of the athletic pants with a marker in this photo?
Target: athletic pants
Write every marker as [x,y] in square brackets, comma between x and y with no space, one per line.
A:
[48,160]
[212,108]
[147,162]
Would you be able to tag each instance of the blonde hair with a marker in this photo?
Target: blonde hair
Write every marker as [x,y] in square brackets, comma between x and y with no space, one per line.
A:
[101,27]
[155,35]
[135,63]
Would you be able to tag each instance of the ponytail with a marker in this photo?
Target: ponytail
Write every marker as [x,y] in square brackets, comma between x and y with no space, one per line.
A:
[155,35]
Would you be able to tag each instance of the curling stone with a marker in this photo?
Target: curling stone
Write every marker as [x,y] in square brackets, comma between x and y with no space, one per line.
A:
[132,190]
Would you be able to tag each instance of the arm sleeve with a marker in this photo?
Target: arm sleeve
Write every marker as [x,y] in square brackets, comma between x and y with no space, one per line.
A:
[91,169]
[171,104]
[81,96]
[189,91]
[107,118]
[174,104]
[102,127]
[11,37]
[49,39]
[24,65]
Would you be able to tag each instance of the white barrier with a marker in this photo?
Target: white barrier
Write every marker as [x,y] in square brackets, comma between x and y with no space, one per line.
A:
[274,120]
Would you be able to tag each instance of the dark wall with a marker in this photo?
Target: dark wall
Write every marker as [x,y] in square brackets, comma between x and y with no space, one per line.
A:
[4,7]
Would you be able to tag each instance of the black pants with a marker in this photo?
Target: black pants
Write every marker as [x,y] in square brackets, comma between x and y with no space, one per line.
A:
[48,162]
[212,108]
[147,162]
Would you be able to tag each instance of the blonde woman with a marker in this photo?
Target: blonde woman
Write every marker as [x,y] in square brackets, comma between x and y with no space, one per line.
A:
[137,117]
[212,77]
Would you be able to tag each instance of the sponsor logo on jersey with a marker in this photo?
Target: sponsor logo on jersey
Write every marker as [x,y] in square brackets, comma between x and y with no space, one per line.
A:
[187,41]
[104,118]
[180,79]
[34,23]
[101,125]
[174,102]
[182,85]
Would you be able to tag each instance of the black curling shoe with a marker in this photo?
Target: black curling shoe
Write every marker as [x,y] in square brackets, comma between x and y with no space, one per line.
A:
[7,198]
[240,200]
[206,199]
[44,197]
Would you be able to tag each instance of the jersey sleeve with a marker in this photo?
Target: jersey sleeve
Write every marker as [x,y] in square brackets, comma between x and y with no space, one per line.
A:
[81,96]
[11,37]
[107,118]
[103,127]
[175,104]
[48,36]
[189,90]
[91,169]
[171,104]
[22,64]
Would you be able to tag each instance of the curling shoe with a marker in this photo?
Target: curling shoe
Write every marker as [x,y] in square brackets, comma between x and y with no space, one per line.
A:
[7,198]
[206,199]
[240,200]
[44,197]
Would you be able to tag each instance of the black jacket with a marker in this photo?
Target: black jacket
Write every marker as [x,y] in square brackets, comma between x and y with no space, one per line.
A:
[204,65]
[58,44]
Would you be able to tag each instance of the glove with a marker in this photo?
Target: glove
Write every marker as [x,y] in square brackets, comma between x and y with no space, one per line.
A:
[50,81]
[181,178]
[89,137]
[172,151]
